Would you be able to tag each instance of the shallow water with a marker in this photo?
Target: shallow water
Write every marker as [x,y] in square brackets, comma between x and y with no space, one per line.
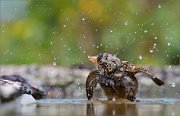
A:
[83,107]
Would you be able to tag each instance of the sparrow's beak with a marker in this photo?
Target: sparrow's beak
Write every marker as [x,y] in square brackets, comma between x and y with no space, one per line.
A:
[93,59]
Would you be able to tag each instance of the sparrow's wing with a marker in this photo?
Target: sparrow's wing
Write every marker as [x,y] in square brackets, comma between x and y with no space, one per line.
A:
[151,76]
[91,83]
[134,69]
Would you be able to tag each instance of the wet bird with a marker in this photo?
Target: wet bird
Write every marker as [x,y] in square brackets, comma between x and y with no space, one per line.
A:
[116,78]
[13,86]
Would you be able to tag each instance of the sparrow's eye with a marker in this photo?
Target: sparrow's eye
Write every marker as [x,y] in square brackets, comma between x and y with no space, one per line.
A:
[100,62]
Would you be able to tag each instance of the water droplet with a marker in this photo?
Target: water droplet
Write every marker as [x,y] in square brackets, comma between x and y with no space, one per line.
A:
[97,46]
[64,25]
[96,30]
[170,67]
[69,49]
[84,51]
[169,44]
[155,37]
[173,85]
[145,31]
[111,31]
[54,63]
[154,45]
[67,19]
[140,57]
[126,23]
[83,19]
[159,6]
[53,32]
[151,51]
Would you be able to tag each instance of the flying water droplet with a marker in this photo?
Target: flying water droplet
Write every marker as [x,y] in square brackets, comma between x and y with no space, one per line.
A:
[169,44]
[154,45]
[140,57]
[126,23]
[170,67]
[83,19]
[159,6]
[54,63]
[151,51]
[111,31]
[145,31]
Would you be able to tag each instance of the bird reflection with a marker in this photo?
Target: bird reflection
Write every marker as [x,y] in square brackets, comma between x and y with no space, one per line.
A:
[90,110]
[111,109]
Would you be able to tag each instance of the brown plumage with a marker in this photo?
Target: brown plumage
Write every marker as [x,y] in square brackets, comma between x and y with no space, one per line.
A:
[116,77]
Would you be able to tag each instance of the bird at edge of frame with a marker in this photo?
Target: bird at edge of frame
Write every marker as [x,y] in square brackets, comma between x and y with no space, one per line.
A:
[116,78]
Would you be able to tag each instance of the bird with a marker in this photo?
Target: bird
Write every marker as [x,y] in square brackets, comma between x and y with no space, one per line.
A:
[116,78]
[13,86]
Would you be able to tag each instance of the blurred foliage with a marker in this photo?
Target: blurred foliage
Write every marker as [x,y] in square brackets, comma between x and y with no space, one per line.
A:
[65,32]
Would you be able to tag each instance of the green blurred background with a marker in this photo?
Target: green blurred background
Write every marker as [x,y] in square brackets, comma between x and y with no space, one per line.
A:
[65,32]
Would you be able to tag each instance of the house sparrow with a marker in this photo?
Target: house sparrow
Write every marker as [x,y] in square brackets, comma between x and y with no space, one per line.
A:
[116,77]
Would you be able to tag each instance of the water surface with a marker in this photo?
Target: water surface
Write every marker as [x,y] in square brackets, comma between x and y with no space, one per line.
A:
[83,107]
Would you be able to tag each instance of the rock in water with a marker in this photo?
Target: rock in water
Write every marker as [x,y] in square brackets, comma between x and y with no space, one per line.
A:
[13,86]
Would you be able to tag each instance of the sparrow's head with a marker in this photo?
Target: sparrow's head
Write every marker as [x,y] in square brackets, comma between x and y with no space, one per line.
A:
[106,62]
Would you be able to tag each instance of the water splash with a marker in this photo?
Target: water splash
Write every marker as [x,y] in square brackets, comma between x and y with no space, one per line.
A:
[173,85]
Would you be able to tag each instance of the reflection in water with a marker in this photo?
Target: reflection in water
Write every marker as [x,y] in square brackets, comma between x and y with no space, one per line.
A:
[82,107]
[90,110]
[112,109]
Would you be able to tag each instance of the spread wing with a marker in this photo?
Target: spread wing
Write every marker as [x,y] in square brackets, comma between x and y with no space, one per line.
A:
[91,83]
[134,69]
[151,76]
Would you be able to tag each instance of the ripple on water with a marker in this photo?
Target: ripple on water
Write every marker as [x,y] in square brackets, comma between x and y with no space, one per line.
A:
[85,101]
